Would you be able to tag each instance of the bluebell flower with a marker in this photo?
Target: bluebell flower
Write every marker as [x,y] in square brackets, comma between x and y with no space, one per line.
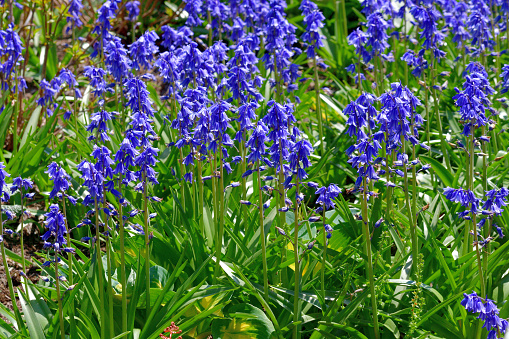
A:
[496,200]
[96,77]
[326,196]
[361,113]
[93,180]
[455,16]
[168,65]
[11,52]
[220,14]
[427,18]
[398,117]
[377,34]
[196,67]
[175,38]
[313,18]
[479,26]
[116,60]
[98,124]
[415,60]
[358,39]
[75,7]
[142,50]
[488,312]
[473,100]
[55,223]
[139,98]
[194,9]
[133,8]
[299,158]
[278,121]
[124,160]
[4,193]
[19,183]
[246,116]
[466,198]
[256,142]
[105,13]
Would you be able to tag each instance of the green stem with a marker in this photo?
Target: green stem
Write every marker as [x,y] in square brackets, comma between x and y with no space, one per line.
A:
[147,241]
[21,242]
[21,324]
[296,300]
[109,288]
[70,274]
[200,196]
[123,280]
[60,311]
[324,258]
[367,246]
[411,217]
[220,232]
[318,107]
[100,270]
[439,121]
[262,237]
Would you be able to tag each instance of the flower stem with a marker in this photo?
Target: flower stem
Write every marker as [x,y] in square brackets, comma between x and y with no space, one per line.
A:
[100,270]
[439,121]
[367,246]
[21,242]
[411,217]
[60,311]
[200,196]
[219,243]
[296,301]
[147,242]
[123,280]
[318,107]
[324,258]
[70,274]
[21,324]
[262,236]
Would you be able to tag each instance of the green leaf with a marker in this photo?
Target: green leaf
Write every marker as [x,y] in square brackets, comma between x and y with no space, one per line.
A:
[444,175]
[244,322]
[31,318]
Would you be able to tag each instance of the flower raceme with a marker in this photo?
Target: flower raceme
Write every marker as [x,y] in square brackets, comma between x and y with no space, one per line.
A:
[473,101]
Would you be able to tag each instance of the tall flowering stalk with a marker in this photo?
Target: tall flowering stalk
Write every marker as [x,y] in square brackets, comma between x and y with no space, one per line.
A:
[473,102]
[363,156]
[61,183]
[143,135]
[55,237]
[427,18]
[326,196]
[298,159]
[4,197]
[314,18]
[257,147]
[22,185]
[400,123]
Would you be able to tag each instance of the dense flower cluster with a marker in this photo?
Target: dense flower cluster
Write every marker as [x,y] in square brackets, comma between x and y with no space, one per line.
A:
[488,312]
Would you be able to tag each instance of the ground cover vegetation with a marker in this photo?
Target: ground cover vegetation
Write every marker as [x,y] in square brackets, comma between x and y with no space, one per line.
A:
[254,169]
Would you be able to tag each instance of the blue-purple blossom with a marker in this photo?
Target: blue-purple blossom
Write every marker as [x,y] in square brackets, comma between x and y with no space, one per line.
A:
[55,223]
[142,50]
[116,60]
[133,9]
[61,180]
[488,312]
[75,7]
[473,100]
[326,196]
[313,18]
